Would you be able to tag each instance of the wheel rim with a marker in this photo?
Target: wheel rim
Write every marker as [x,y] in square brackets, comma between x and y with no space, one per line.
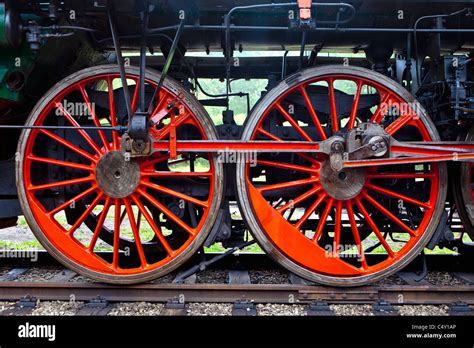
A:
[321,229]
[464,192]
[138,200]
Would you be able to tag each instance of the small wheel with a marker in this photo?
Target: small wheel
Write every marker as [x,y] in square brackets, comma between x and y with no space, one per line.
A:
[322,224]
[463,189]
[105,215]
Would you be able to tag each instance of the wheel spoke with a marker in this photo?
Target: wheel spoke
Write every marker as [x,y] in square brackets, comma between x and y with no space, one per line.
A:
[162,133]
[322,221]
[177,174]
[312,113]
[135,231]
[94,117]
[156,229]
[113,113]
[176,194]
[85,214]
[381,108]
[310,211]
[153,162]
[400,176]
[299,199]
[268,134]
[72,201]
[60,163]
[356,234]
[167,212]
[100,224]
[117,213]
[70,146]
[404,198]
[293,122]
[81,131]
[159,111]
[294,167]
[374,228]
[274,137]
[398,124]
[388,214]
[337,228]
[332,102]
[124,214]
[139,219]
[136,94]
[287,185]
[62,183]
[355,106]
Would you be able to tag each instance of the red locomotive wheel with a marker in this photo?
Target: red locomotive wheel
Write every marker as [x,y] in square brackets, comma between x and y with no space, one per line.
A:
[463,189]
[108,216]
[322,224]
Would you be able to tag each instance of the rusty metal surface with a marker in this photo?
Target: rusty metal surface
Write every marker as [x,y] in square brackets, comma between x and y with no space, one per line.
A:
[61,287]
[230,293]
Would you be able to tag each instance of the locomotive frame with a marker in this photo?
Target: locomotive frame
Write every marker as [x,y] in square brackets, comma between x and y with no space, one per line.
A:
[384,142]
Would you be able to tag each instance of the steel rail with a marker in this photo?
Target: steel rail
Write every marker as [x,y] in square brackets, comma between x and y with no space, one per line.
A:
[14,290]
[228,293]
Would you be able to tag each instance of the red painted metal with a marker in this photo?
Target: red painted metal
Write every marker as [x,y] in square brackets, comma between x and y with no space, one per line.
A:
[322,220]
[410,160]
[305,9]
[131,209]
[237,146]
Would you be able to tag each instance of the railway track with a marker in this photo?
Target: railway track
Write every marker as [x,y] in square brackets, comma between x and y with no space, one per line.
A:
[240,288]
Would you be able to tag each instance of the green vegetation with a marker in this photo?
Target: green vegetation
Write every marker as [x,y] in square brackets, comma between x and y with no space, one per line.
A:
[218,248]
[22,222]
[237,104]
[29,245]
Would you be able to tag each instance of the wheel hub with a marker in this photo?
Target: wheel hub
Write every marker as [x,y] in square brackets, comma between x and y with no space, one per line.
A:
[116,176]
[342,185]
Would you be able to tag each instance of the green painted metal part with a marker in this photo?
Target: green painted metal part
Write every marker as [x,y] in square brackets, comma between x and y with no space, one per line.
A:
[3,36]
[15,65]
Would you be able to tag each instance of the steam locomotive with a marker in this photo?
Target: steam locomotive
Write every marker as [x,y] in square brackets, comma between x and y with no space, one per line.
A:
[361,141]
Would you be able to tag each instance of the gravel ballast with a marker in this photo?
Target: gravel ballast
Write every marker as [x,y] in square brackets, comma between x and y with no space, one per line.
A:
[352,310]
[57,308]
[6,305]
[280,310]
[422,310]
[38,275]
[209,309]
[213,276]
[443,279]
[269,277]
[135,309]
